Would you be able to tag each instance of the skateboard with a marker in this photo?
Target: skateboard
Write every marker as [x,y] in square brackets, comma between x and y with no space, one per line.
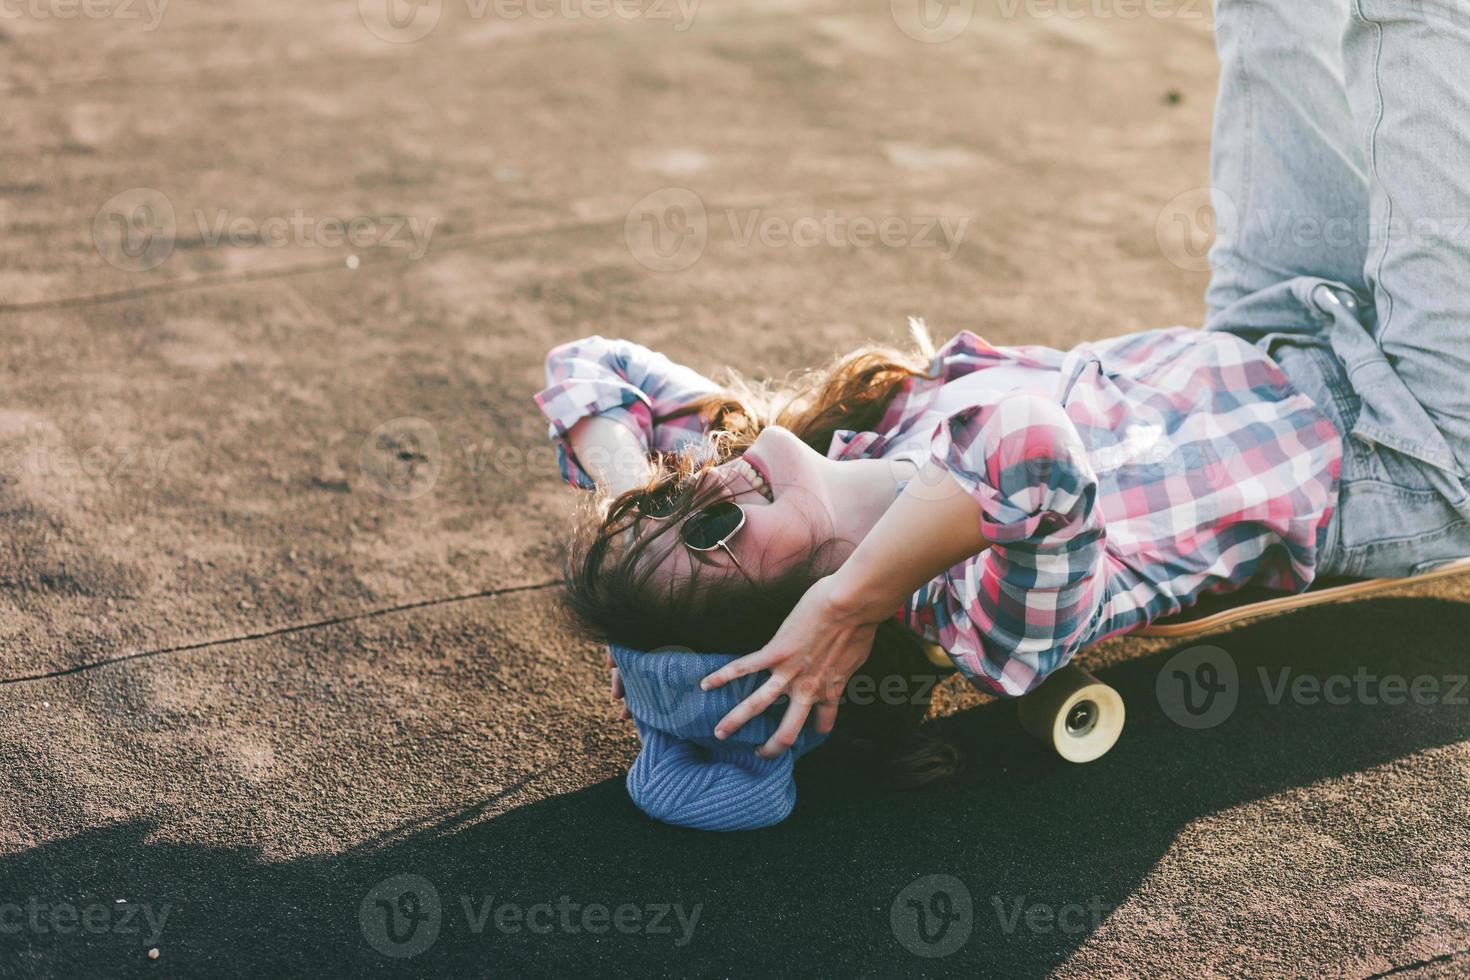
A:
[1081,718]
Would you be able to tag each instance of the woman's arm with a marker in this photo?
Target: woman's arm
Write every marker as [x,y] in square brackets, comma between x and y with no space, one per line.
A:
[1002,523]
[623,384]
[611,453]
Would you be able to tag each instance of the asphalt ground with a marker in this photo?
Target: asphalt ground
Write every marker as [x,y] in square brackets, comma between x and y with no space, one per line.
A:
[277,518]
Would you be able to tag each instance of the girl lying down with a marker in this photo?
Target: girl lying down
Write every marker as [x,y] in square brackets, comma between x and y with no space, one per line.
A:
[1009,505]
[1001,508]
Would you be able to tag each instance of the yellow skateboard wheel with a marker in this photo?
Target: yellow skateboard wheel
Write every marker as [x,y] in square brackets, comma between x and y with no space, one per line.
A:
[1075,713]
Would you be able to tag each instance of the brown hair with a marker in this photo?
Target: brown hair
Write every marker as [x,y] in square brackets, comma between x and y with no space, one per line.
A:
[614,597]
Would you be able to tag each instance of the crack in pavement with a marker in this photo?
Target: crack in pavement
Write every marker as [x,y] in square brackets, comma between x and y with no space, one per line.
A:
[294,269]
[279,631]
[452,243]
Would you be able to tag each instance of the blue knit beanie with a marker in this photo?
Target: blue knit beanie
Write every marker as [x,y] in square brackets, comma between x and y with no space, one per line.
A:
[684,775]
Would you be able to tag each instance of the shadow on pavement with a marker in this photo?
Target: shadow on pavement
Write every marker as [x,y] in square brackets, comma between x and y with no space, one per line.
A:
[814,896]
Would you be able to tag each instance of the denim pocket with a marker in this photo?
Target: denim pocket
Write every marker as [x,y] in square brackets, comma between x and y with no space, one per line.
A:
[1393,467]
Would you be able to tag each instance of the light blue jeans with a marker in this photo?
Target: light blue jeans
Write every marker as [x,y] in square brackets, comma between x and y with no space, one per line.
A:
[1340,175]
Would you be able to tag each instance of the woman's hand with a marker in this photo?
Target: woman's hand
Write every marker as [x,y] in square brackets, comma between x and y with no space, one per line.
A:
[933,525]
[617,687]
[811,658]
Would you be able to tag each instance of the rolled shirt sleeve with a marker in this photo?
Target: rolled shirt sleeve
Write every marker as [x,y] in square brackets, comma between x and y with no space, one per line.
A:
[623,381]
[1022,607]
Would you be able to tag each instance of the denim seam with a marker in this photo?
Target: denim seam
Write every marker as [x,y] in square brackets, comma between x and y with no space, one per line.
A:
[1326,362]
[1392,489]
[1361,550]
[1248,34]
[1385,298]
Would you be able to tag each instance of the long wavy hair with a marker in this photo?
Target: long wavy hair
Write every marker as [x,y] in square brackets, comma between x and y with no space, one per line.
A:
[614,597]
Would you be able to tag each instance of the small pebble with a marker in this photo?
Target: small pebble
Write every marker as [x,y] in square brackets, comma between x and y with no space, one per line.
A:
[1173,97]
[353,262]
[153,953]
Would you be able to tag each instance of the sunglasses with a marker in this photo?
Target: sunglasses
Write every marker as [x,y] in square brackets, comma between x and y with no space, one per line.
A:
[707,529]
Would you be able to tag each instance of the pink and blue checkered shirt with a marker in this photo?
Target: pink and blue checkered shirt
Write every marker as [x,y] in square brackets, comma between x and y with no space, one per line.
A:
[1151,469]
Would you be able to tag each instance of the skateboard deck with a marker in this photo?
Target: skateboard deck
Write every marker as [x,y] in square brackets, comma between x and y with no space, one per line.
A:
[1214,612]
[1081,717]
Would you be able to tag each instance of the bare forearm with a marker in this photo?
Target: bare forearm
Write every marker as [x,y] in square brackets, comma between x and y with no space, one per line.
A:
[610,452]
[932,526]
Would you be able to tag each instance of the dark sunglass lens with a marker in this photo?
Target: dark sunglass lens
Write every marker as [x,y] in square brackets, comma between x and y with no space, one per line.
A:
[706,529]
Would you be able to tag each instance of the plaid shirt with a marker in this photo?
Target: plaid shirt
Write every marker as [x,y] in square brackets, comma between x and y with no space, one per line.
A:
[1162,466]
